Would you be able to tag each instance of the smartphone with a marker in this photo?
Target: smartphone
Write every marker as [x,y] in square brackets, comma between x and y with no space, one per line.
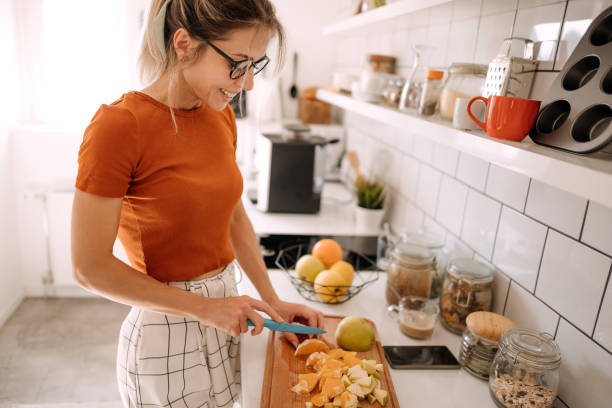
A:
[420,357]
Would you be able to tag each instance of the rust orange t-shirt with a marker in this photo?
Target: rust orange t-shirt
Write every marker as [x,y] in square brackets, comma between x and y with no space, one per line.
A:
[179,190]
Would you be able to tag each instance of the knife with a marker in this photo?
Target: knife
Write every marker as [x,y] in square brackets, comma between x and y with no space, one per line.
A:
[288,327]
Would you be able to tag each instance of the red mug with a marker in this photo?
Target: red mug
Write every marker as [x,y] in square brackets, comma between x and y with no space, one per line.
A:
[506,117]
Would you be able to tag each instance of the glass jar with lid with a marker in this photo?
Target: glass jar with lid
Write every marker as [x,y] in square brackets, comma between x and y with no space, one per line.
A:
[525,370]
[480,341]
[467,288]
[393,91]
[434,243]
[410,272]
[464,81]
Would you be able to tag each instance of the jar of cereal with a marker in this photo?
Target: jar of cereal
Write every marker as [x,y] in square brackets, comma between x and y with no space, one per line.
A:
[467,288]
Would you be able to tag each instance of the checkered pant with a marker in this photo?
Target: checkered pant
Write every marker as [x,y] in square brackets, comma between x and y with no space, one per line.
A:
[168,361]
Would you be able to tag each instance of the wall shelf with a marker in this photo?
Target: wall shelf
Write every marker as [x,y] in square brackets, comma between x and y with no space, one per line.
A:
[586,176]
[380,14]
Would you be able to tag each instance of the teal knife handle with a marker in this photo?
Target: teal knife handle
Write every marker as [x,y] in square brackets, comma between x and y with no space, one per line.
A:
[270,324]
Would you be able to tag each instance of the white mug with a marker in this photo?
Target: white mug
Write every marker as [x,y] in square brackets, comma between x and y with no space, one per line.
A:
[461,120]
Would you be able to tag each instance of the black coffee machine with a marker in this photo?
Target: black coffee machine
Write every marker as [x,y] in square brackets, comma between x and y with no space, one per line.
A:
[291,170]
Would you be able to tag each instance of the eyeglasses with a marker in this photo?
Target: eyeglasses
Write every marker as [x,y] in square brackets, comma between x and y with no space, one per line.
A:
[239,68]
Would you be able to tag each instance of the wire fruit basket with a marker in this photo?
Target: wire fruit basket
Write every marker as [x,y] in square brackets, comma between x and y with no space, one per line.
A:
[366,272]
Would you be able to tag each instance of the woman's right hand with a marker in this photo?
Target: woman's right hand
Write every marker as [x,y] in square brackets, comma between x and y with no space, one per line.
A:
[230,314]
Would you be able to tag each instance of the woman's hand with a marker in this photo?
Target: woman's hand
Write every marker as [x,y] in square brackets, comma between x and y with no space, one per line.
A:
[230,314]
[292,312]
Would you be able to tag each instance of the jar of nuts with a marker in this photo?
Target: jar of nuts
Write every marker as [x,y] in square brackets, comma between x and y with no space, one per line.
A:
[525,370]
[410,272]
[467,288]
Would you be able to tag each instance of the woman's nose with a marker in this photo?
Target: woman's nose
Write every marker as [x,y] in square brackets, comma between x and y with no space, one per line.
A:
[248,80]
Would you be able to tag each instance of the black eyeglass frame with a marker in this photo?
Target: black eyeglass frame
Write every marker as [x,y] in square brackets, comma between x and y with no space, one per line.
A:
[235,64]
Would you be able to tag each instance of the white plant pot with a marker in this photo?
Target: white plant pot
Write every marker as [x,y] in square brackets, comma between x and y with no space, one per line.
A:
[367,219]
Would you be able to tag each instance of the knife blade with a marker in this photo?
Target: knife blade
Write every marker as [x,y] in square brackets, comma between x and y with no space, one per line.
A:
[288,327]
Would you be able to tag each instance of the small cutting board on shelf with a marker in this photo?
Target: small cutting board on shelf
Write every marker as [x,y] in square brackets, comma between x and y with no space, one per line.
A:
[283,368]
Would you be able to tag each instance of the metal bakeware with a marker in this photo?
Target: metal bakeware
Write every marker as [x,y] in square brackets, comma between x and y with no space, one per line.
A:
[576,115]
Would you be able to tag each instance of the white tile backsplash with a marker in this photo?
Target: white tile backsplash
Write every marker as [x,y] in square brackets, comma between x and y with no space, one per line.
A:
[427,190]
[541,24]
[410,177]
[572,279]
[463,9]
[462,41]
[472,171]
[597,230]
[578,17]
[491,33]
[603,328]
[550,259]
[451,204]
[555,207]
[480,223]
[445,159]
[423,149]
[529,312]
[519,246]
[586,370]
[508,187]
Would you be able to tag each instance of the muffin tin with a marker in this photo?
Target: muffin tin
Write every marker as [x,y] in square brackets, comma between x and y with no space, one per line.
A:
[576,114]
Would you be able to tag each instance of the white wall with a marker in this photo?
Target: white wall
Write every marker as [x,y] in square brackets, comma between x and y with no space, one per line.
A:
[11,283]
[552,250]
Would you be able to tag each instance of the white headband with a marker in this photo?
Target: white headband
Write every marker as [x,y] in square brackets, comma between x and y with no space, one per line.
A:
[158,28]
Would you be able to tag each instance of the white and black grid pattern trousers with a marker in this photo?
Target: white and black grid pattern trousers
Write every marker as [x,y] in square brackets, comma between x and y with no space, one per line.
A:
[168,361]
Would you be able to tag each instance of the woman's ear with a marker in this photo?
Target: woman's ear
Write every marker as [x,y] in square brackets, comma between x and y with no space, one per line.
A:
[183,44]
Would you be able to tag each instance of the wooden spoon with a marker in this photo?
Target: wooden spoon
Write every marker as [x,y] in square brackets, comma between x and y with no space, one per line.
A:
[354,161]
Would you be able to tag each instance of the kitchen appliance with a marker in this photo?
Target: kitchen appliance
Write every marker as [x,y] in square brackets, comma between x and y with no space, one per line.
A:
[577,111]
[511,76]
[291,170]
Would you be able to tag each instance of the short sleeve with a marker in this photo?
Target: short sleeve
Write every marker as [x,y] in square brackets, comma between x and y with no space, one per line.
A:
[109,153]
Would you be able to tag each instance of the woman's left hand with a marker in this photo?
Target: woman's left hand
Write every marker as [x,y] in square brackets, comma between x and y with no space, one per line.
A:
[295,312]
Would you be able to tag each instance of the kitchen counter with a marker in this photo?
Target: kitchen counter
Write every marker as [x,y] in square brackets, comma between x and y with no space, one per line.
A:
[414,388]
[335,217]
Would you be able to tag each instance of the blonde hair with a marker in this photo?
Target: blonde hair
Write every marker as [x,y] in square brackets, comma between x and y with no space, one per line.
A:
[204,20]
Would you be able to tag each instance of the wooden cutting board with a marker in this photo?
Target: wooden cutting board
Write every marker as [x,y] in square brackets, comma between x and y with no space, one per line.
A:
[283,368]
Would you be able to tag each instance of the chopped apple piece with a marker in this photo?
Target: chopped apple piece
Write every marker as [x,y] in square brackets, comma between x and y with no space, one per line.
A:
[380,367]
[346,381]
[371,398]
[356,389]
[381,396]
[356,372]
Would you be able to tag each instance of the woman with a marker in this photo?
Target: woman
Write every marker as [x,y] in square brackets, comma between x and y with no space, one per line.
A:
[165,181]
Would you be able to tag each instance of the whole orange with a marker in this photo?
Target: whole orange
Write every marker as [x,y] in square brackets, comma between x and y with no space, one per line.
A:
[328,251]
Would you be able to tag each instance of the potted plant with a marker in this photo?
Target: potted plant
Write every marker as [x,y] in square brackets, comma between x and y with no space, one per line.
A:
[371,196]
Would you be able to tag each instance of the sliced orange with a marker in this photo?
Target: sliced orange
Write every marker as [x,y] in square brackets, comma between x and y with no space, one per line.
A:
[331,363]
[309,346]
[333,387]
[310,379]
[335,353]
[314,358]
[318,400]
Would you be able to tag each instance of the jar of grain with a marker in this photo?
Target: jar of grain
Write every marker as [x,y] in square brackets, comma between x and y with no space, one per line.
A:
[464,81]
[525,370]
[467,288]
[410,272]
